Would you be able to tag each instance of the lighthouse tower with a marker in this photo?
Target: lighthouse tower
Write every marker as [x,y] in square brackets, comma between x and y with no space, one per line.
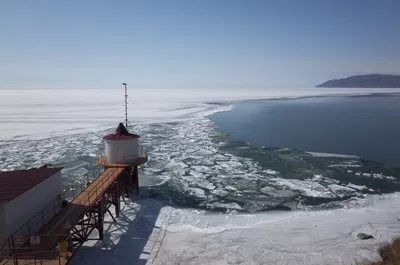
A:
[123,150]
[122,147]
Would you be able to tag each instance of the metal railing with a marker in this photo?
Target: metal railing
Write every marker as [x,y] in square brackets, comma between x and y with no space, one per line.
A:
[40,256]
[32,259]
[93,192]
[76,186]
[34,225]
[142,154]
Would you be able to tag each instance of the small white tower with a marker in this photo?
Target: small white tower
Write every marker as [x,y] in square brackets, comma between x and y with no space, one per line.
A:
[122,147]
[123,150]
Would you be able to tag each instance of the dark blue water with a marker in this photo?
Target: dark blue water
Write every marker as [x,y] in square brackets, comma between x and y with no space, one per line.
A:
[366,126]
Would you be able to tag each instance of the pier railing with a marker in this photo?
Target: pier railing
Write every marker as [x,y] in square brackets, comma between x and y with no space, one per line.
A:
[31,227]
[30,255]
[93,192]
[37,257]
[142,155]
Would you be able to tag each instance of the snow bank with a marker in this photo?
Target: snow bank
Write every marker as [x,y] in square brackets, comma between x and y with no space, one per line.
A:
[150,233]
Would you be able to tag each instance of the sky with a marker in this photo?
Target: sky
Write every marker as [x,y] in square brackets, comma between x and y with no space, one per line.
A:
[195,43]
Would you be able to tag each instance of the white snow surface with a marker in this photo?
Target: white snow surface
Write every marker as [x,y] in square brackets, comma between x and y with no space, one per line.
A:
[331,155]
[32,114]
[150,233]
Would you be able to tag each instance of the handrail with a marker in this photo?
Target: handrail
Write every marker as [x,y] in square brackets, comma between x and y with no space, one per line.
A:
[142,152]
[31,254]
[53,203]
[113,172]
[40,261]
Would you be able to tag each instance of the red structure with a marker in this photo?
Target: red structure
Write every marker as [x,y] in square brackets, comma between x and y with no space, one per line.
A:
[14,183]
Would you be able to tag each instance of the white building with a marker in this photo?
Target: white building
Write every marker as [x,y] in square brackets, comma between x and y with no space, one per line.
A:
[122,146]
[28,199]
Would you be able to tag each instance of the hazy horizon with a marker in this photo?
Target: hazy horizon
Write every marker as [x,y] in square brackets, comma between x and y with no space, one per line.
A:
[195,45]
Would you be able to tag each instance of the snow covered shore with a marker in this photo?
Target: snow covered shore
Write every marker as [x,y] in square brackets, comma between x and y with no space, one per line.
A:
[150,233]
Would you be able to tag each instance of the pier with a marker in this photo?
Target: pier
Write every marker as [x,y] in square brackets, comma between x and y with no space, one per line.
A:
[62,236]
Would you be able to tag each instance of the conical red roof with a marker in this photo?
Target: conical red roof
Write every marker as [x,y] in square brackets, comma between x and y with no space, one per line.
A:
[121,133]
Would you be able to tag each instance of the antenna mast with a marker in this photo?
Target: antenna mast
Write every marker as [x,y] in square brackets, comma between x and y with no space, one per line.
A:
[126,105]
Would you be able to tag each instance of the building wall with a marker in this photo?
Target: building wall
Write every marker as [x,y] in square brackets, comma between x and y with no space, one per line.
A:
[122,151]
[20,210]
[2,224]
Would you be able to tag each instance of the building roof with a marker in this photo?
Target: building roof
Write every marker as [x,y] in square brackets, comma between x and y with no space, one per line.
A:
[14,183]
[121,133]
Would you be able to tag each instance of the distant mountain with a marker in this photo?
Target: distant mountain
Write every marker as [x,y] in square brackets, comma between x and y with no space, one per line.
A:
[365,81]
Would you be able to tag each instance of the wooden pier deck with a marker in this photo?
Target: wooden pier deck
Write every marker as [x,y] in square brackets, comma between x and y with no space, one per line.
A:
[61,225]
[82,203]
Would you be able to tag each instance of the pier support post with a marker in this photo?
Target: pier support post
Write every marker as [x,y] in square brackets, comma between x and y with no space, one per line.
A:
[100,221]
[130,181]
[136,179]
[117,202]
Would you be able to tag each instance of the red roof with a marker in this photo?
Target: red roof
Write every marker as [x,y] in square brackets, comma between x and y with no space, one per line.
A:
[14,183]
[121,133]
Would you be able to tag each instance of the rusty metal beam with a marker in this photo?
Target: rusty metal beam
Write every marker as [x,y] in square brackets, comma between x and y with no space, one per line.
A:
[100,220]
[136,179]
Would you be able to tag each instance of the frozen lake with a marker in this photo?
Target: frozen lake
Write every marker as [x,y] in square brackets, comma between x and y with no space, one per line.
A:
[198,192]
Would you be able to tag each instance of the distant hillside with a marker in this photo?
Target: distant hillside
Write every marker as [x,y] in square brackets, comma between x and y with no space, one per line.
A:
[365,81]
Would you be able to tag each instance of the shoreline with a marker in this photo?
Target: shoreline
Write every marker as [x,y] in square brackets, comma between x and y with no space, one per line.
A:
[333,95]
[180,236]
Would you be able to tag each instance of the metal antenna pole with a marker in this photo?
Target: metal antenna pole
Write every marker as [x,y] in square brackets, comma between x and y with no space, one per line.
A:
[126,105]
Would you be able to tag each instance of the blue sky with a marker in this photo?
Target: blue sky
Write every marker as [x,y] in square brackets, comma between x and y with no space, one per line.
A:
[195,44]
